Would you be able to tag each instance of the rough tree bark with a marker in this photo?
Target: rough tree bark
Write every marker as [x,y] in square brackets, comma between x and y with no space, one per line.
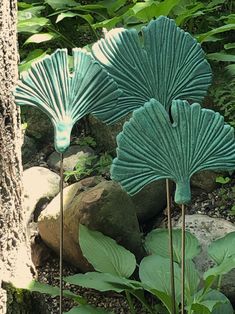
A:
[15,261]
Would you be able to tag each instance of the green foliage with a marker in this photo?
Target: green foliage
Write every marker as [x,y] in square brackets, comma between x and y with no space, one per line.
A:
[224,97]
[85,141]
[54,20]
[154,270]
[87,309]
[232,211]
[118,261]
[45,25]
[90,165]
[114,265]
[160,236]
[222,180]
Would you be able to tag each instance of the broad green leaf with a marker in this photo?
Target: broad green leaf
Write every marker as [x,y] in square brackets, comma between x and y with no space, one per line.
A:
[23,5]
[32,25]
[154,272]
[149,9]
[166,299]
[112,5]
[33,56]
[30,12]
[227,264]
[39,38]
[225,307]
[136,64]
[156,242]
[211,302]
[222,248]
[225,28]
[151,142]
[192,279]
[108,256]
[87,17]
[68,14]
[102,282]
[64,15]
[87,309]
[58,4]
[165,7]
[144,10]
[109,23]
[36,286]
[189,13]
[67,96]
[220,56]
[205,307]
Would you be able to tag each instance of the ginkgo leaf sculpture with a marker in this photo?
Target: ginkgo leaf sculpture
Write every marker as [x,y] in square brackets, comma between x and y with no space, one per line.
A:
[166,64]
[152,147]
[66,97]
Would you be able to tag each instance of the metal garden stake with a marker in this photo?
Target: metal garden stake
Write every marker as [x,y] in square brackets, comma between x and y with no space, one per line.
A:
[153,146]
[65,97]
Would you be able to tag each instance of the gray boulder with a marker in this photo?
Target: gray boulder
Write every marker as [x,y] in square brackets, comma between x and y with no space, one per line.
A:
[150,201]
[71,157]
[208,229]
[104,207]
[205,180]
[40,185]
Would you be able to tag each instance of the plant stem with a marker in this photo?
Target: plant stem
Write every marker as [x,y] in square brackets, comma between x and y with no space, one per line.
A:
[219,282]
[65,39]
[61,232]
[130,303]
[170,247]
[145,304]
[183,260]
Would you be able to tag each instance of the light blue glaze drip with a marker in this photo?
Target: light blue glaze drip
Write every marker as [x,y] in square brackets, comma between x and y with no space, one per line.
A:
[62,135]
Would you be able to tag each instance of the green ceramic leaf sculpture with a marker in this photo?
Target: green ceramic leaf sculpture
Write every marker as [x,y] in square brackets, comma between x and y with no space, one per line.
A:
[66,97]
[169,65]
[152,147]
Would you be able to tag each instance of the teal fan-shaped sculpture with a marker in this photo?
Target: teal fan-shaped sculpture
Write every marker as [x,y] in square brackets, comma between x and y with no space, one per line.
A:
[66,97]
[166,64]
[152,147]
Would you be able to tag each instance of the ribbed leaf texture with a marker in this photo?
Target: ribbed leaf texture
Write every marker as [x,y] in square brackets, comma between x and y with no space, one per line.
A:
[66,97]
[152,147]
[156,242]
[105,255]
[166,64]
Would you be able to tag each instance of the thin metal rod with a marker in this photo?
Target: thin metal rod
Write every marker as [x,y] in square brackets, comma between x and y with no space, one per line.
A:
[183,260]
[61,230]
[170,243]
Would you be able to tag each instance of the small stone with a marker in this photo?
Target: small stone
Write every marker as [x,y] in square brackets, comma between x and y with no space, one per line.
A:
[208,229]
[40,185]
[71,157]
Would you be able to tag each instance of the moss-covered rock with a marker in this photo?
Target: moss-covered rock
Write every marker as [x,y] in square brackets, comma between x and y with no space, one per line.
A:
[19,301]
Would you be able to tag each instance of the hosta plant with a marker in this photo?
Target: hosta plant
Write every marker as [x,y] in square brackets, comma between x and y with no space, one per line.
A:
[115,272]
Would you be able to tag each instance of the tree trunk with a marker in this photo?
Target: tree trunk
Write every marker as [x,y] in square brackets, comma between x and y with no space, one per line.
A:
[15,261]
